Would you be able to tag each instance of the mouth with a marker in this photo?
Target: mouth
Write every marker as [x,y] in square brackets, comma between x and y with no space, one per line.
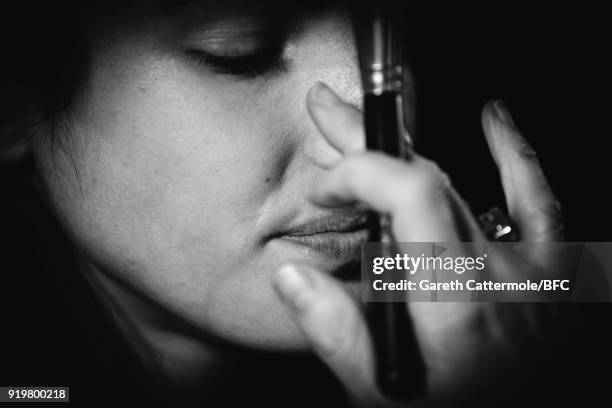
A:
[337,237]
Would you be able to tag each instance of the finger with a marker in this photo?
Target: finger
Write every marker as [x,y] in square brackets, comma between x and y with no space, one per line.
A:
[415,194]
[340,122]
[529,197]
[469,229]
[333,325]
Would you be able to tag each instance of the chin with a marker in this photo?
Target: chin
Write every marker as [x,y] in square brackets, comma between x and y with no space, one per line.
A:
[261,322]
[242,308]
[273,333]
[247,313]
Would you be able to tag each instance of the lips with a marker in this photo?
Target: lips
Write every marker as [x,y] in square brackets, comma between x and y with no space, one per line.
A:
[337,236]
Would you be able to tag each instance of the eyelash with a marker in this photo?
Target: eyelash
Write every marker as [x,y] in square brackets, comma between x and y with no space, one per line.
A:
[249,66]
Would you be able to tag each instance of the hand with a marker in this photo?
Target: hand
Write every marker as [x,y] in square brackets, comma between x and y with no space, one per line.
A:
[457,339]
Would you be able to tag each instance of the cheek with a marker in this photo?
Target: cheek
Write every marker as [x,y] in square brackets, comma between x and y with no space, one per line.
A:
[162,186]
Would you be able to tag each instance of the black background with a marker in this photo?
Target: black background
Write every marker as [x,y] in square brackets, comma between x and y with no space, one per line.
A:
[548,64]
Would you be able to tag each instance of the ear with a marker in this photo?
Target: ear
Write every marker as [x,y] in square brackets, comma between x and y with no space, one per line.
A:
[14,142]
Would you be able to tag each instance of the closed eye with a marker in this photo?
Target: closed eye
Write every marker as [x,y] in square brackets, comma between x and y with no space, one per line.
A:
[256,63]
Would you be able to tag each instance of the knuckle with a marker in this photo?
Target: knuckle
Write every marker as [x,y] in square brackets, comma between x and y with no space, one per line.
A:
[353,166]
[552,215]
[358,159]
[526,151]
[549,210]
[435,173]
[428,182]
[546,220]
[555,210]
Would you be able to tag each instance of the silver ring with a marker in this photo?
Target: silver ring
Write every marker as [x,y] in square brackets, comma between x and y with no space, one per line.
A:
[497,226]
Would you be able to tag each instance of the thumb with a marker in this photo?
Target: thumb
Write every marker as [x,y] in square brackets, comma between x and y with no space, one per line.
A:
[333,325]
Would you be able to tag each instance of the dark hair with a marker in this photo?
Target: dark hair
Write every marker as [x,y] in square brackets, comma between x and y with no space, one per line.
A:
[70,336]
[45,57]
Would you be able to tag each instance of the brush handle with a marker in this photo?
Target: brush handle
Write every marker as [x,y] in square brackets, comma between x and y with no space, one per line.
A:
[400,371]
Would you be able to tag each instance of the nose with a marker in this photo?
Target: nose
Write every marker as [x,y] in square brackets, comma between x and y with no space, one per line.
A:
[326,53]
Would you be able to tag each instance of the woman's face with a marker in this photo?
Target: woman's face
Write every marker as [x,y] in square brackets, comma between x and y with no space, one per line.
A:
[183,170]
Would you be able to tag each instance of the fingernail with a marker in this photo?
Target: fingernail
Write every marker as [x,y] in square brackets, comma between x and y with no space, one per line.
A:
[292,284]
[323,95]
[502,112]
